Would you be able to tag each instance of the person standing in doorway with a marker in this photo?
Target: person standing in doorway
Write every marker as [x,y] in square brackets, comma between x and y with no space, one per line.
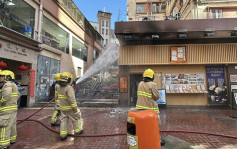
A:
[147,94]
[8,108]
[20,89]
[56,112]
[68,106]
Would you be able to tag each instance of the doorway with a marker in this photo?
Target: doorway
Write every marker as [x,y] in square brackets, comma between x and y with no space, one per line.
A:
[47,69]
[135,79]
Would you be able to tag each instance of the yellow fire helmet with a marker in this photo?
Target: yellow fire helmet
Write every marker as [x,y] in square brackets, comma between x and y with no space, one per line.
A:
[149,73]
[66,77]
[57,76]
[9,75]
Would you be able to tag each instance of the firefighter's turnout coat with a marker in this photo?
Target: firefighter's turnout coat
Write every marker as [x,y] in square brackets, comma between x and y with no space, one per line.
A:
[8,110]
[68,106]
[147,94]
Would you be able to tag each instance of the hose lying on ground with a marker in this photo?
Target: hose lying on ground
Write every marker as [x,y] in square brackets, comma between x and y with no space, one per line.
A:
[20,121]
[113,134]
[117,134]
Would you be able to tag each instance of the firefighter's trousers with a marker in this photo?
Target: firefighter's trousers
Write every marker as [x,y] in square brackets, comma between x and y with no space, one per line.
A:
[8,130]
[76,122]
[55,115]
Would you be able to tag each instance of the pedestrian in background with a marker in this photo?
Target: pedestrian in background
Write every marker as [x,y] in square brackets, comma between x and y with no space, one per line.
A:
[20,89]
[68,106]
[8,108]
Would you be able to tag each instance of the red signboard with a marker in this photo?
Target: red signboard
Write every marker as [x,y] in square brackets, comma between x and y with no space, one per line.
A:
[32,83]
[123,84]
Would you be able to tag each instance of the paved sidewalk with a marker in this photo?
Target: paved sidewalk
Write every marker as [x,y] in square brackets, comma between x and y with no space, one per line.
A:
[111,120]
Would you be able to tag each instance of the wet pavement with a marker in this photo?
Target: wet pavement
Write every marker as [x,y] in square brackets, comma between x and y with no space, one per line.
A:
[111,121]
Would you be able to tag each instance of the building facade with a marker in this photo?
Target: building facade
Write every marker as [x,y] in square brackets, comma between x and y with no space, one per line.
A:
[201,9]
[47,37]
[192,67]
[147,10]
[104,21]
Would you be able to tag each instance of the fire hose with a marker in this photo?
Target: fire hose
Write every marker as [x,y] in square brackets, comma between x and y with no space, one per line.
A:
[113,134]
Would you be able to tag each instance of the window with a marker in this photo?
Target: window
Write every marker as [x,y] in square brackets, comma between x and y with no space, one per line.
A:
[103,23]
[95,54]
[103,30]
[163,6]
[106,41]
[216,13]
[19,17]
[106,31]
[79,50]
[155,7]
[180,2]
[107,24]
[140,8]
[55,36]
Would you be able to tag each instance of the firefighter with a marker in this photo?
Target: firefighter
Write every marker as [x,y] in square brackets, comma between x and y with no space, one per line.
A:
[56,112]
[8,108]
[147,94]
[68,106]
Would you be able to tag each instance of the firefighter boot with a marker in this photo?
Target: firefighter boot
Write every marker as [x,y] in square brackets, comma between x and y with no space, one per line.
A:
[80,132]
[55,124]
[162,142]
[63,138]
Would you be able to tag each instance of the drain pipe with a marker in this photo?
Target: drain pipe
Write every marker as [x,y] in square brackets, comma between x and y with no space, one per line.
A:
[40,20]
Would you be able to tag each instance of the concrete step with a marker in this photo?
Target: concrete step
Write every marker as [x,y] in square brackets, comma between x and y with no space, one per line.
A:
[86,103]
[99,103]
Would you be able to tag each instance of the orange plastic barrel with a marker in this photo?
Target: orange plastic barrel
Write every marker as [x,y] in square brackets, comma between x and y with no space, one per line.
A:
[143,130]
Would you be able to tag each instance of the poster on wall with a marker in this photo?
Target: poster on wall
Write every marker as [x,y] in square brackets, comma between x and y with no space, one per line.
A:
[216,84]
[162,100]
[177,54]
[123,85]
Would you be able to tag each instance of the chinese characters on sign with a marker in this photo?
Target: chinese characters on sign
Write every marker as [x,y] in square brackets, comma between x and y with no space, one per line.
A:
[123,85]
[178,54]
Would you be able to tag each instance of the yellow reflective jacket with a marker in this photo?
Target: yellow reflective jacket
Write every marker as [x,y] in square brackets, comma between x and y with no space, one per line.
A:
[147,94]
[8,98]
[66,97]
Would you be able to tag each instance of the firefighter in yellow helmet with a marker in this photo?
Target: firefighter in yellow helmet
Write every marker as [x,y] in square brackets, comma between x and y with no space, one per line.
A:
[8,108]
[56,112]
[68,106]
[147,94]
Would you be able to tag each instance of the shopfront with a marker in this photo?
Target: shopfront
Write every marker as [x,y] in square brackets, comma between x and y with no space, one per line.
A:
[193,69]
[19,53]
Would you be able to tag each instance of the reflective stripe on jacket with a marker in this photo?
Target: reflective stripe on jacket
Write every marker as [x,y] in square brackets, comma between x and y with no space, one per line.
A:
[8,98]
[66,97]
[147,94]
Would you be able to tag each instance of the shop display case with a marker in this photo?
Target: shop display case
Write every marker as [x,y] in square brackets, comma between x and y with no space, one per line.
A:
[185,83]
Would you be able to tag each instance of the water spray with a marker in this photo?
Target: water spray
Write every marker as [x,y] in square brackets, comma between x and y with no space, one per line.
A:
[108,56]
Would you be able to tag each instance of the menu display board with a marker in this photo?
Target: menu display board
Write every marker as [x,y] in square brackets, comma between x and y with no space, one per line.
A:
[185,83]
